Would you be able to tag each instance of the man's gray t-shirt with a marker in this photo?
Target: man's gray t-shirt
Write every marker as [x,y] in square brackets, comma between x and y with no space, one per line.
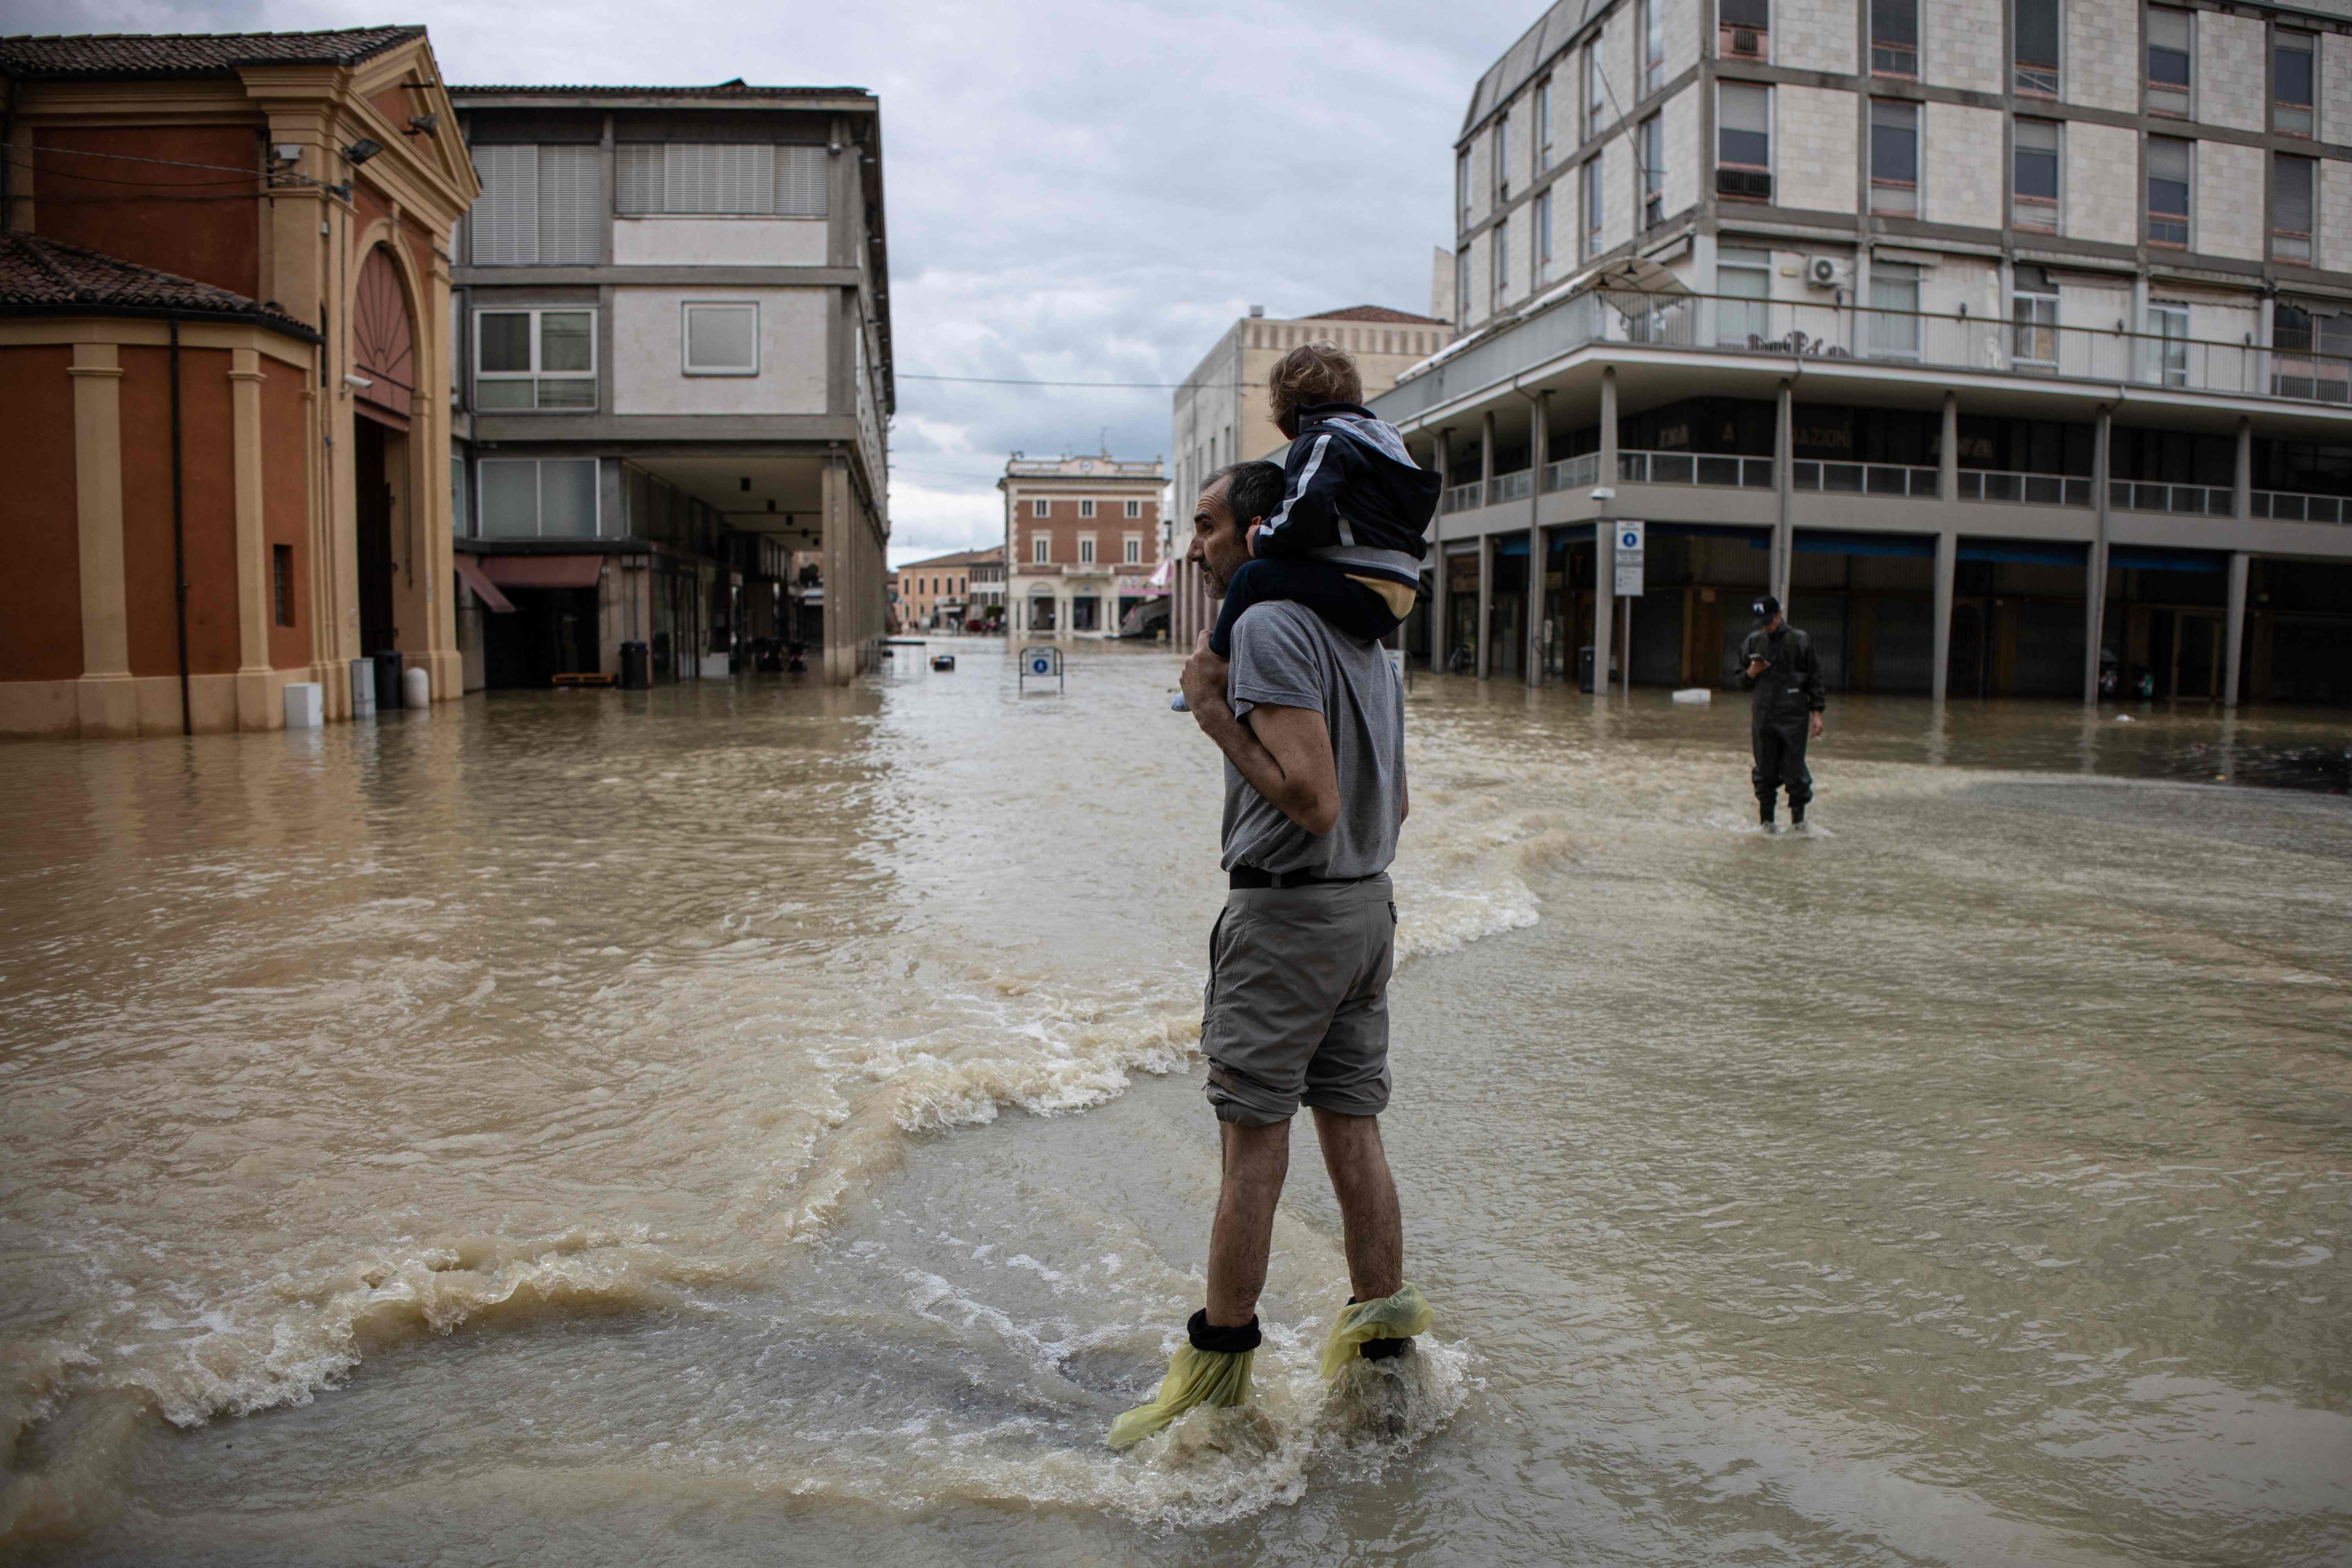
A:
[1287,656]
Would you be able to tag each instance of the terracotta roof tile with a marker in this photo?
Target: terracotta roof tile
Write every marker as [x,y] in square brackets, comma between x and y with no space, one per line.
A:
[40,277]
[1373,313]
[99,56]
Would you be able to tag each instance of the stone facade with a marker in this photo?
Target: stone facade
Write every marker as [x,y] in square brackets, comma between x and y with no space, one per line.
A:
[1814,149]
[2335,238]
[1814,34]
[1963,181]
[1962,48]
[1683,164]
[2227,208]
[2232,84]
[2102,68]
[2099,192]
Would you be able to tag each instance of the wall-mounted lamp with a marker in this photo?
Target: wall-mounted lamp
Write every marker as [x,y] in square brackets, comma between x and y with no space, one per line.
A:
[424,124]
[360,382]
[360,151]
[286,152]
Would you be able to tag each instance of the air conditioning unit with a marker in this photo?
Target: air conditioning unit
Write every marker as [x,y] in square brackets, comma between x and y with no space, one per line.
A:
[1824,272]
[1749,185]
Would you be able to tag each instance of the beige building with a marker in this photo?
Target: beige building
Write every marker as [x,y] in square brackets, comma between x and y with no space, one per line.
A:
[944,592]
[2008,341]
[1081,538]
[1222,416]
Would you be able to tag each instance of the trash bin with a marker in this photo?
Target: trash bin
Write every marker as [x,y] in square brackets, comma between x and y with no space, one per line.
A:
[1584,668]
[362,688]
[636,666]
[387,682]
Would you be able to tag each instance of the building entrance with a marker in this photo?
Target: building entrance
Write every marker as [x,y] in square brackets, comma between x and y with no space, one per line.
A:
[551,632]
[375,454]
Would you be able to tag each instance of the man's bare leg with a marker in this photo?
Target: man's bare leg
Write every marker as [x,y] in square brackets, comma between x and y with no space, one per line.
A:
[1256,1159]
[1374,1227]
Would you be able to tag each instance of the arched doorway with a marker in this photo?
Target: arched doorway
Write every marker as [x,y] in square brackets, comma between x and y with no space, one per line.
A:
[383,356]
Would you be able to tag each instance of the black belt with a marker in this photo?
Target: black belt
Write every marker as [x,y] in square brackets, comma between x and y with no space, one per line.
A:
[1251,876]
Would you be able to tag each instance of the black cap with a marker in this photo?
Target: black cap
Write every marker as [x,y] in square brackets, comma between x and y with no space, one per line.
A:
[1766,605]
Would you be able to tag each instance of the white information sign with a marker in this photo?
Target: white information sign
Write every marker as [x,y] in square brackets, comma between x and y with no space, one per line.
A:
[1629,560]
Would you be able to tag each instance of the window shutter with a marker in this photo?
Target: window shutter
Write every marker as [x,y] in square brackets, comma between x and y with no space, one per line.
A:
[571,205]
[801,182]
[637,171]
[506,218]
[746,179]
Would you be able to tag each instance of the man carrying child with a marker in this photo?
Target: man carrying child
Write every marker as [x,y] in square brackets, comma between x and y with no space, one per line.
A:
[1314,560]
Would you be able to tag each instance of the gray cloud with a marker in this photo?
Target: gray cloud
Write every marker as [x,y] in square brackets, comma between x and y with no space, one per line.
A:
[1074,192]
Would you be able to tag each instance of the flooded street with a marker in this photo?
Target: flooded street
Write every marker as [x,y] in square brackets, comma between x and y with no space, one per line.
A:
[762,1124]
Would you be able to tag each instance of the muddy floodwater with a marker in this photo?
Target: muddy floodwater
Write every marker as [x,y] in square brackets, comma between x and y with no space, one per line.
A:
[760,1123]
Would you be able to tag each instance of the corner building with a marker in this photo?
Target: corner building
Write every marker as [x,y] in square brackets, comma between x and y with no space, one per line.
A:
[2007,340]
[673,333]
[223,422]
[1081,541]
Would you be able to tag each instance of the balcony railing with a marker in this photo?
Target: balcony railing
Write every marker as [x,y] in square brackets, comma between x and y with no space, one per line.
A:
[2023,489]
[2196,501]
[1516,486]
[1824,330]
[2285,506]
[1574,473]
[1864,479]
[1693,468]
[1461,497]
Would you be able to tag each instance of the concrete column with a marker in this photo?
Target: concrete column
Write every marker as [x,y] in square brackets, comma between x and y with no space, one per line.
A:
[1486,604]
[106,700]
[2095,570]
[840,632]
[1784,469]
[1487,458]
[2233,649]
[1539,454]
[1441,612]
[1604,537]
[2242,478]
[1947,474]
[1947,551]
[253,576]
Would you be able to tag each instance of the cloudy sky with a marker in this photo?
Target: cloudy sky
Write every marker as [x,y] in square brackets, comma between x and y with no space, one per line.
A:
[1075,191]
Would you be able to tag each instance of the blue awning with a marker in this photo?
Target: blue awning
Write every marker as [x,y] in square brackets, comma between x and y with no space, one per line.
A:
[2055,553]
[2151,557]
[1832,542]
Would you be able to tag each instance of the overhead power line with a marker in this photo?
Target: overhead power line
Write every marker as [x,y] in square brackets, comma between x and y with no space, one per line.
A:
[1015,380]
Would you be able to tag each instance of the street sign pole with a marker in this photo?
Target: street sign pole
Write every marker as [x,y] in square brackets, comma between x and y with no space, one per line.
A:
[1628,541]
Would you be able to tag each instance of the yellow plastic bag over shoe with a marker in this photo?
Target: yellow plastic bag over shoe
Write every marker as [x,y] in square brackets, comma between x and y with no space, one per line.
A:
[1397,1317]
[1195,1377]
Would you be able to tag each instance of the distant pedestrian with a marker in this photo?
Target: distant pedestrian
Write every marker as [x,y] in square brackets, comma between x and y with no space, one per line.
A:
[1311,721]
[1778,661]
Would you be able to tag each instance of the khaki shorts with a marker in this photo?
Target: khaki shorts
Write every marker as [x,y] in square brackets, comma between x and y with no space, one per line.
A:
[1297,1009]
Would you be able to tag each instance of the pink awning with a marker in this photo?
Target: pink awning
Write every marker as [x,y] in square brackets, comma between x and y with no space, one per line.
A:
[544,571]
[471,573]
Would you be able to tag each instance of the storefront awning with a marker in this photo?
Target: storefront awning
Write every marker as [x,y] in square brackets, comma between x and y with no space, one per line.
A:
[544,571]
[470,572]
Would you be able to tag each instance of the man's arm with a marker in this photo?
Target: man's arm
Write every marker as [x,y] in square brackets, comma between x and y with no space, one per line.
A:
[1284,752]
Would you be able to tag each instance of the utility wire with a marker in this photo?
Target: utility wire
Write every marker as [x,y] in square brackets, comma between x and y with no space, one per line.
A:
[1014,380]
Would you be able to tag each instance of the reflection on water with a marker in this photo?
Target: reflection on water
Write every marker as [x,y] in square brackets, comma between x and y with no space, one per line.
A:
[624,1125]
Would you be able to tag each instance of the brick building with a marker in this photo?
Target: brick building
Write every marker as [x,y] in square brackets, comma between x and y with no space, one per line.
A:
[1081,538]
[223,320]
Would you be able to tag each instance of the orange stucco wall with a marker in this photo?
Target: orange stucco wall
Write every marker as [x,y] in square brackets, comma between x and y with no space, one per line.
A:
[40,593]
[285,506]
[198,222]
[208,488]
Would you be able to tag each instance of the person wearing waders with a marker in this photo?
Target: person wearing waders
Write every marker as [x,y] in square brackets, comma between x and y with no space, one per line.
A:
[1310,718]
[1777,662]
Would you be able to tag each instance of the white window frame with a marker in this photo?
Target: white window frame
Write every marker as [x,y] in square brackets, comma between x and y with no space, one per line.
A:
[2308,239]
[1041,508]
[1543,125]
[1085,509]
[1132,551]
[1653,31]
[685,311]
[2167,349]
[1650,144]
[1540,236]
[1135,509]
[1890,70]
[1500,249]
[2148,216]
[1596,93]
[535,374]
[1041,547]
[2033,325]
[1085,550]
[1771,139]
[1752,316]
